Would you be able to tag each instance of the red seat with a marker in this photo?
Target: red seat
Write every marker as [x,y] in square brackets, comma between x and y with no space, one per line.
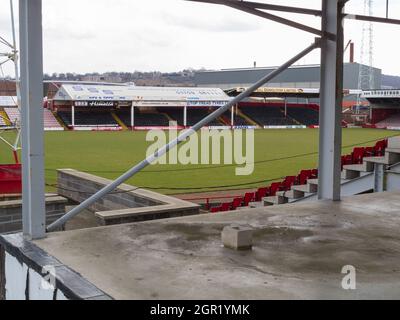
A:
[226,206]
[303,176]
[314,174]
[248,197]
[380,147]
[274,188]
[369,151]
[358,155]
[261,193]
[215,209]
[237,202]
[287,183]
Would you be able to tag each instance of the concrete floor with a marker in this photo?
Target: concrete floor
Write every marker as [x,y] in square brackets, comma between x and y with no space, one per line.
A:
[299,253]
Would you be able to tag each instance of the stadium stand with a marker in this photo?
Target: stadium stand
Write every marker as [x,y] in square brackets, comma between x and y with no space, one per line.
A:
[145,119]
[87,118]
[13,114]
[304,183]
[267,116]
[50,122]
[238,120]
[305,116]
[194,115]
[174,113]
[392,121]
[4,121]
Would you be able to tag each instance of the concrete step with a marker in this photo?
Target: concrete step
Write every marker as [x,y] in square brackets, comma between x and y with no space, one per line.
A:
[349,174]
[291,194]
[273,200]
[306,188]
[363,167]
[389,158]
[381,160]
[256,204]
[394,143]
[312,181]
[393,150]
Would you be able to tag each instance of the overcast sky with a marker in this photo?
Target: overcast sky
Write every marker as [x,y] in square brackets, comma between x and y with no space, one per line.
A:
[170,35]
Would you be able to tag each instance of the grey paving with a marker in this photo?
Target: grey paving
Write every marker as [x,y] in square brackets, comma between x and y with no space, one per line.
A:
[298,253]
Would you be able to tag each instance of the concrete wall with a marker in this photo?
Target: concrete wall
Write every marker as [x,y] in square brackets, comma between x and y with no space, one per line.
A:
[126,204]
[29,273]
[11,213]
[78,186]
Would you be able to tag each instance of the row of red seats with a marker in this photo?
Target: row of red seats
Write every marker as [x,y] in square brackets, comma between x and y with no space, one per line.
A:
[271,190]
[356,157]
[358,154]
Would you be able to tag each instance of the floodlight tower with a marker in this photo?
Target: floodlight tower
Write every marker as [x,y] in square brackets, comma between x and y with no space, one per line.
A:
[366,75]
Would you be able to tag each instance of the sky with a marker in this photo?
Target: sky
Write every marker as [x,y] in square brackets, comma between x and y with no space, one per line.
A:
[171,35]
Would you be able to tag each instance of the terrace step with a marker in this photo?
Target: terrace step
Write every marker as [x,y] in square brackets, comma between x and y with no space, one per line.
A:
[306,188]
[312,181]
[363,167]
[274,200]
[256,204]
[349,174]
[393,150]
[291,194]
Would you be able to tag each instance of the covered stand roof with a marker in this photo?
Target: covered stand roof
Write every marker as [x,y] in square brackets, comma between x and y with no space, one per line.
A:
[8,101]
[142,96]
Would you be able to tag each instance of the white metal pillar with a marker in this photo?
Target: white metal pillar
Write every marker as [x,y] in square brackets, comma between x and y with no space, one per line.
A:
[33,201]
[73,116]
[185,116]
[132,116]
[331,94]
[232,116]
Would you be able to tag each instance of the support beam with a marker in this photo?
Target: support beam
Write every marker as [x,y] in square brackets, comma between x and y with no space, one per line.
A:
[240,6]
[33,201]
[267,6]
[331,94]
[232,116]
[360,17]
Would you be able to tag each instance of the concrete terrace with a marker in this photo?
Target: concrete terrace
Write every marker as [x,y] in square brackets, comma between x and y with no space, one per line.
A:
[299,251]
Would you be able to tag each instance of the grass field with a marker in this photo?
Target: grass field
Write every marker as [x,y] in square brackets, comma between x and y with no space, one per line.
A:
[108,154]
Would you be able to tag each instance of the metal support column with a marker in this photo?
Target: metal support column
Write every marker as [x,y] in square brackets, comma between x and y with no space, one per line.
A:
[33,201]
[379,177]
[232,116]
[331,94]
[73,116]
[185,116]
[132,117]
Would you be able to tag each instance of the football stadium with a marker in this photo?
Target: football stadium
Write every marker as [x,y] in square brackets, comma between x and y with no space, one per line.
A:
[81,192]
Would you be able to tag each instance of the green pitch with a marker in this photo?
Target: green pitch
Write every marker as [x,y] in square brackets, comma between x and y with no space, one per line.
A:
[278,153]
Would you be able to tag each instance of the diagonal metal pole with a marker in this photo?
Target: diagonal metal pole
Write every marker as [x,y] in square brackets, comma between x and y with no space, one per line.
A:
[182,137]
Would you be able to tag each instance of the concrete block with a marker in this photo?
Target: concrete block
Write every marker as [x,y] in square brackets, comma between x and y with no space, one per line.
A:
[394,142]
[237,237]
